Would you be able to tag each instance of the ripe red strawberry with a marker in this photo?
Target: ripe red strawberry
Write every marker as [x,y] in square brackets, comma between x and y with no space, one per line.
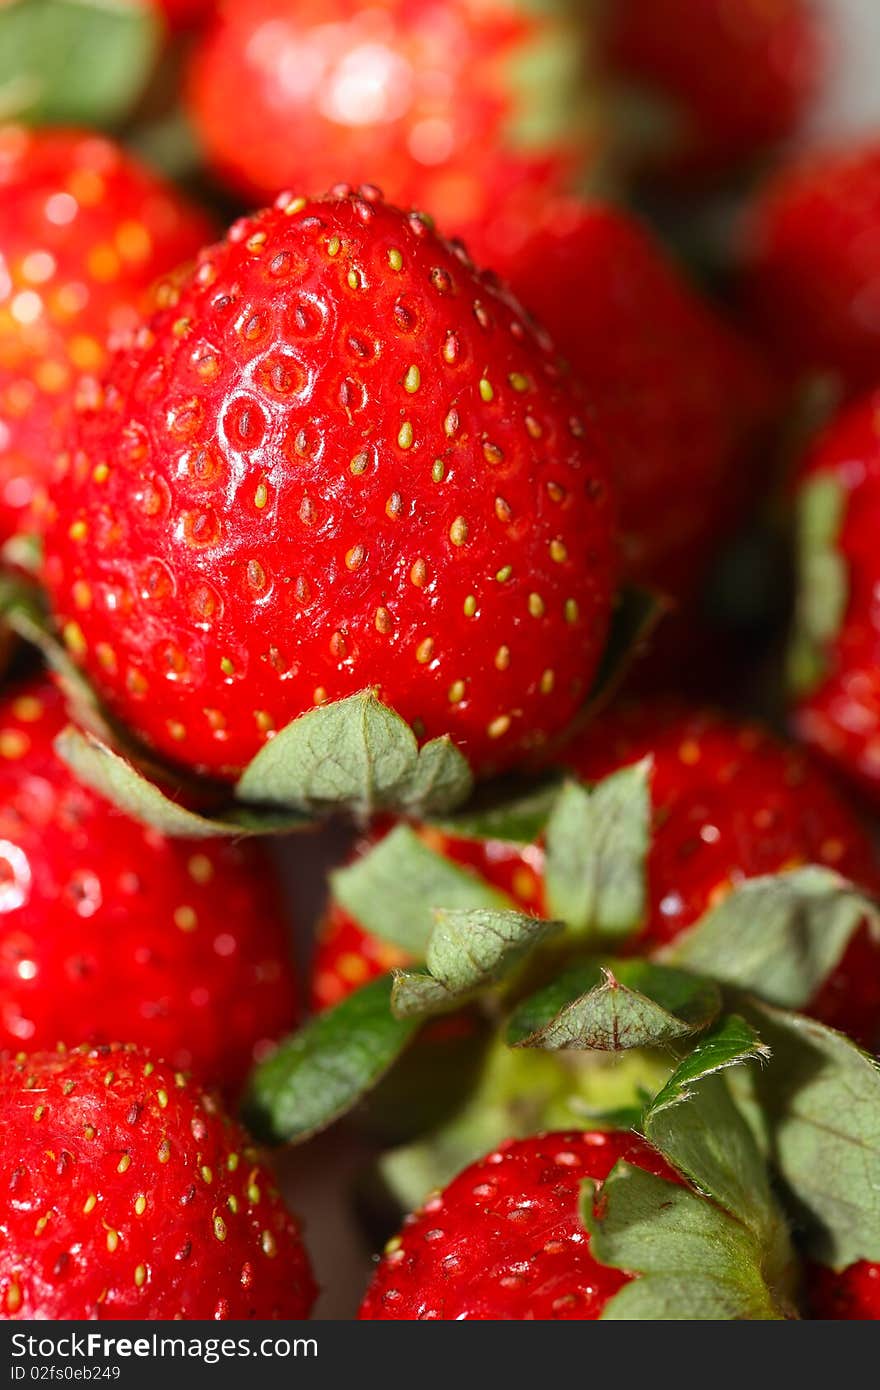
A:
[728,79]
[811,274]
[472,111]
[850,1294]
[338,459]
[682,399]
[838,707]
[108,929]
[729,803]
[84,231]
[505,1240]
[126,1193]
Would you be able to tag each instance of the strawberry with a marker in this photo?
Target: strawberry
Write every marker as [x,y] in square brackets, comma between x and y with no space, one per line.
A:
[505,1241]
[683,400]
[849,1294]
[474,112]
[84,231]
[109,929]
[836,655]
[725,80]
[339,459]
[126,1193]
[729,803]
[811,264]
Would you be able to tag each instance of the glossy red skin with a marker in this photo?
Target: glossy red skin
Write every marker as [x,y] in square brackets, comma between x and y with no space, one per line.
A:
[85,229]
[811,264]
[268,536]
[88,1133]
[108,929]
[736,78]
[852,1294]
[430,99]
[682,401]
[840,718]
[505,1241]
[729,803]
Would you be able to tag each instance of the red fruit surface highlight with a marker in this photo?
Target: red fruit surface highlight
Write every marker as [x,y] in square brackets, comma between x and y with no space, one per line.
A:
[730,802]
[126,1193]
[731,78]
[474,112]
[682,401]
[839,715]
[108,929]
[85,229]
[851,1294]
[811,264]
[505,1240]
[339,459]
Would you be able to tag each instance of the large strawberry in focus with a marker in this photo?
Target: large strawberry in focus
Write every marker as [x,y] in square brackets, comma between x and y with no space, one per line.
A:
[473,111]
[723,81]
[85,229]
[729,803]
[505,1240]
[338,459]
[109,930]
[811,264]
[835,656]
[683,401]
[126,1193]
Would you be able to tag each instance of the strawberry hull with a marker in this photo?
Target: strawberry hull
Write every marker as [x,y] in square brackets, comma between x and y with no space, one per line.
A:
[729,803]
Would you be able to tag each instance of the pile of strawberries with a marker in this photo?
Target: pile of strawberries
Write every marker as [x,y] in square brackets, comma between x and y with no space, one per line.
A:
[457,535]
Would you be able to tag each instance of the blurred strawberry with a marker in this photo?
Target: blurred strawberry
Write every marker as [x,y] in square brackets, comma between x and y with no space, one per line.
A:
[186,14]
[84,231]
[681,400]
[724,80]
[850,1294]
[811,272]
[471,111]
[835,657]
[109,930]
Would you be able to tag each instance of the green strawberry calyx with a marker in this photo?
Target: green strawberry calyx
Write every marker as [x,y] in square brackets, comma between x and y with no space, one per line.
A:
[718,1248]
[822,581]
